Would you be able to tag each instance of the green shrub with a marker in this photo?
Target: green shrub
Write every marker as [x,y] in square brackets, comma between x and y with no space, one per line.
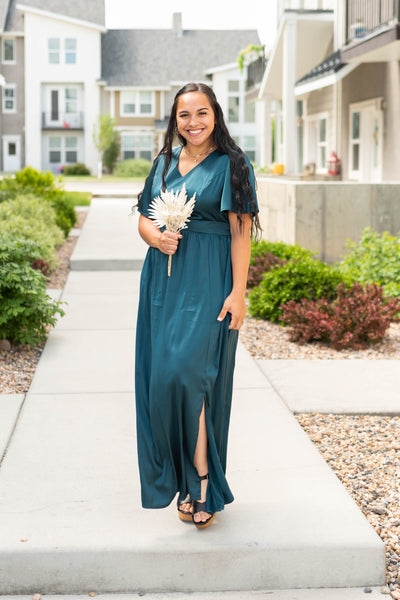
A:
[65,213]
[25,308]
[30,181]
[76,169]
[43,185]
[133,167]
[374,259]
[280,250]
[33,219]
[111,154]
[296,280]
[261,264]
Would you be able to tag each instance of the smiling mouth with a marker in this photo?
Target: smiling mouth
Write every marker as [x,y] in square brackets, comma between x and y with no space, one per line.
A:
[194,131]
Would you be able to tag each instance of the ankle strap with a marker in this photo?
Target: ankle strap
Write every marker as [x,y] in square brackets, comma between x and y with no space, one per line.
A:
[202,477]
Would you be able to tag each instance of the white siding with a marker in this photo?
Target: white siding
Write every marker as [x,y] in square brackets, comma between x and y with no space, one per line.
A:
[38,29]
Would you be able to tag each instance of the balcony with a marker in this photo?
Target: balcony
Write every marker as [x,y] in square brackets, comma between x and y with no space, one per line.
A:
[255,72]
[305,5]
[366,18]
[58,120]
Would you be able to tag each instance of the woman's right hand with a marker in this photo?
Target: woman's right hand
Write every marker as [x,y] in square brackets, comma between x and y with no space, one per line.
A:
[168,242]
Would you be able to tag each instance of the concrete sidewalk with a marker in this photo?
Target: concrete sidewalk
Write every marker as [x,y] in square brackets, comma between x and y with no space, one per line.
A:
[70,515]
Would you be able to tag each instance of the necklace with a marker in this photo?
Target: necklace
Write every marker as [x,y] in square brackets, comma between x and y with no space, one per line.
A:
[194,157]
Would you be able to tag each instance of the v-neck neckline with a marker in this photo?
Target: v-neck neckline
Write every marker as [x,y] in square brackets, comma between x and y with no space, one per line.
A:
[195,166]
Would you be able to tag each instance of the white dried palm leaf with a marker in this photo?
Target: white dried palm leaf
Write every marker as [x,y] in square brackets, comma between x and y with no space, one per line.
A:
[172,211]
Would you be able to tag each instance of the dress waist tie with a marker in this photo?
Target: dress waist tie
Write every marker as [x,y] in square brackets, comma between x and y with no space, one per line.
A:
[215,227]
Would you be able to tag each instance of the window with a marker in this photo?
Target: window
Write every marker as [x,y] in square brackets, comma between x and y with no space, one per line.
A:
[233,85]
[71,149]
[355,140]
[233,109]
[249,146]
[55,149]
[250,112]
[136,146]
[54,48]
[54,51]
[71,100]
[63,149]
[322,143]
[233,101]
[146,105]
[70,51]
[128,100]
[9,98]
[8,51]
[136,103]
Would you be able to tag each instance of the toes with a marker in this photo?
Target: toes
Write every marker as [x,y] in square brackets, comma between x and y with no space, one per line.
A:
[201,517]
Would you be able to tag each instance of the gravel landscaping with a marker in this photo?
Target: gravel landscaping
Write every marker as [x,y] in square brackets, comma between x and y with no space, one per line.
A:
[363,451]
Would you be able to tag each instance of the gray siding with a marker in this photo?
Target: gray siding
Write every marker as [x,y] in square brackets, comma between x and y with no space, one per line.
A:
[13,124]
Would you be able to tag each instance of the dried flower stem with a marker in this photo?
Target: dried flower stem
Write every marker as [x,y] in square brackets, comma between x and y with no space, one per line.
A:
[171,211]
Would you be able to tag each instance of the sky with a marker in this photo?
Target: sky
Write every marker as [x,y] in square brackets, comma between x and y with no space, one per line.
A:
[204,14]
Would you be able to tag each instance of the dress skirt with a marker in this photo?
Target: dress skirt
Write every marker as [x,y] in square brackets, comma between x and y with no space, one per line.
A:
[185,357]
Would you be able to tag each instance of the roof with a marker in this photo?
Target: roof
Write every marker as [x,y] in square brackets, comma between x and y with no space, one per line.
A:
[91,11]
[3,13]
[155,57]
[331,64]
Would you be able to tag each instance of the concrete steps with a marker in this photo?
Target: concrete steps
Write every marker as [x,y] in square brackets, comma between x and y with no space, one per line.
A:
[109,239]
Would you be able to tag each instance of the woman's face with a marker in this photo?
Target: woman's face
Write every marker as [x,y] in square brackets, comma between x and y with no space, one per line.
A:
[195,119]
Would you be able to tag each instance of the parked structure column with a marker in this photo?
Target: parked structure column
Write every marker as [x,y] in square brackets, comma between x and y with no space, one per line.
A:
[288,96]
[266,137]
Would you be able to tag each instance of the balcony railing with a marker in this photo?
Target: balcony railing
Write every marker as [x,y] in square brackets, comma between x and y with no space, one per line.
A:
[364,18]
[305,5]
[255,72]
[53,120]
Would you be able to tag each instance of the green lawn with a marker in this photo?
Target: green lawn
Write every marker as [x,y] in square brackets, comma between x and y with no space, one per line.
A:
[79,198]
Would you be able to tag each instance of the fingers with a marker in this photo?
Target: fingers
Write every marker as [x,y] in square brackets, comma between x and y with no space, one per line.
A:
[236,307]
[222,314]
[169,242]
[235,323]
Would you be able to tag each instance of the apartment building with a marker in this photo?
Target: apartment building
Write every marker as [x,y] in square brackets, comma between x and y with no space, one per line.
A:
[62,68]
[332,84]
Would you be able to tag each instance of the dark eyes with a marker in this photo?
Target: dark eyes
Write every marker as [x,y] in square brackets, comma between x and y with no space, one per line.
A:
[202,113]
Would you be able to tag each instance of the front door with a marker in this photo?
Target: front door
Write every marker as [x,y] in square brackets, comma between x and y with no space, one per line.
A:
[11,153]
[366,124]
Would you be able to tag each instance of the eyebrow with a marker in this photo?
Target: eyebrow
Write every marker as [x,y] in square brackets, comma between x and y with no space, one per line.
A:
[198,110]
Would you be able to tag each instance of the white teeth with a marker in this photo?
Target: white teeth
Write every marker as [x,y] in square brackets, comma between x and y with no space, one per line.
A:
[194,131]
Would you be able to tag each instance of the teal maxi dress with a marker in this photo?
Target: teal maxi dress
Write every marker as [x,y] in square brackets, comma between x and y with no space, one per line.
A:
[184,356]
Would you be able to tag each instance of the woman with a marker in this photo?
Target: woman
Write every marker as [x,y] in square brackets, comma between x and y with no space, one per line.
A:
[188,322]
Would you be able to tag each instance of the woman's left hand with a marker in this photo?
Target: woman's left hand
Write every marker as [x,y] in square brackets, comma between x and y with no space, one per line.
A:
[236,306]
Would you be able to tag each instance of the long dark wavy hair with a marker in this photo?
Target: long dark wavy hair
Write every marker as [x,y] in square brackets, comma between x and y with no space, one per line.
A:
[225,144]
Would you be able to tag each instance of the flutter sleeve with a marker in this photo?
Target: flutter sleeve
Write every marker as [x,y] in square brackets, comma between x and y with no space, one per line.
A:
[228,199]
[146,195]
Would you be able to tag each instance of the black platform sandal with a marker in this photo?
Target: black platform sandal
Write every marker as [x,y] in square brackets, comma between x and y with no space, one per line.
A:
[199,506]
[184,515]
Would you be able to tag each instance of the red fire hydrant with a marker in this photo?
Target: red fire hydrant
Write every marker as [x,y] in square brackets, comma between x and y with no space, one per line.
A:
[333,164]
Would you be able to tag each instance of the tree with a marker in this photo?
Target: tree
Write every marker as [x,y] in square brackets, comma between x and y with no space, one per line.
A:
[105,137]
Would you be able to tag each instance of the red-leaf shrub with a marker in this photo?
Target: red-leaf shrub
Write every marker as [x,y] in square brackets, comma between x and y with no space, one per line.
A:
[359,317]
[41,265]
[262,264]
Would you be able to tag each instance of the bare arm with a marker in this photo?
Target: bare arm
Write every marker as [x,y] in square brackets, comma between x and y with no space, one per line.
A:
[240,256]
[165,241]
